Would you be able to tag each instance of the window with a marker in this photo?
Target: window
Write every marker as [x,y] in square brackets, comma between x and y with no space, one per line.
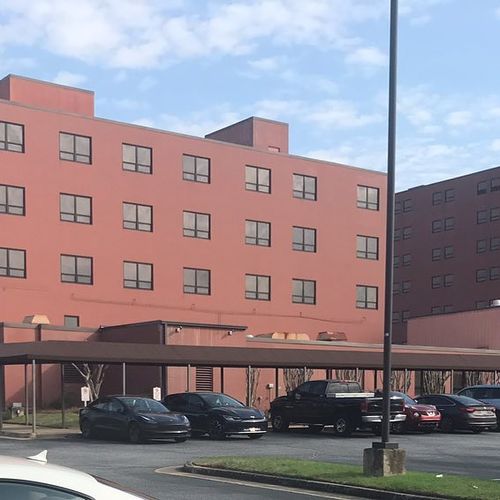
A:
[481,246]
[495,184]
[72,321]
[367,247]
[407,205]
[404,316]
[368,198]
[406,259]
[137,217]
[396,316]
[195,168]
[138,275]
[12,263]
[12,137]
[437,198]
[76,269]
[397,208]
[495,214]
[303,291]
[481,216]
[449,252]
[449,195]
[204,378]
[366,297]
[26,489]
[75,208]
[396,261]
[396,288]
[449,279]
[304,186]
[494,273]
[257,287]
[11,200]
[481,275]
[437,226]
[449,223]
[196,225]
[436,310]
[494,243]
[397,234]
[257,179]
[197,281]
[482,187]
[436,254]
[407,233]
[75,148]
[448,308]
[257,233]
[436,282]
[406,286]
[137,158]
[304,239]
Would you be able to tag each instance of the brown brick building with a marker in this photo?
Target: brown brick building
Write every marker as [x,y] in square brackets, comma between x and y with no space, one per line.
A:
[447,247]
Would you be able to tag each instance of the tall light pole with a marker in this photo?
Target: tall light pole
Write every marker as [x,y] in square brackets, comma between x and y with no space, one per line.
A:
[389,252]
[385,458]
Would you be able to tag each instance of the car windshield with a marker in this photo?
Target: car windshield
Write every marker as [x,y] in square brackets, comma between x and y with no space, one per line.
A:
[405,397]
[144,405]
[217,400]
[487,393]
[467,401]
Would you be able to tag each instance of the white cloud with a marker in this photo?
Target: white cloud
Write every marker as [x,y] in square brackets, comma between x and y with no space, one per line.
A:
[69,78]
[334,113]
[265,64]
[367,56]
[459,118]
[130,34]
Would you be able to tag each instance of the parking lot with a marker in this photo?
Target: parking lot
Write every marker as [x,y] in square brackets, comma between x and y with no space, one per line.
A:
[135,465]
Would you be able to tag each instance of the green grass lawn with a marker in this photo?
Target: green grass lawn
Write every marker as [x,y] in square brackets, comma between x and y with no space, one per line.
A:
[448,486]
[50,418]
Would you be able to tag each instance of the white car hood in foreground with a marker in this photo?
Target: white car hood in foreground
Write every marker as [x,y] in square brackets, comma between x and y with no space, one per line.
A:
[33,471]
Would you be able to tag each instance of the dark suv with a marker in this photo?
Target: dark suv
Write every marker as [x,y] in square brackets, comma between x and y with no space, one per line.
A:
[489,394]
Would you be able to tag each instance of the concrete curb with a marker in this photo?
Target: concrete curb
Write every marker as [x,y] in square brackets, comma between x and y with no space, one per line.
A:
[42,435]
[306,484]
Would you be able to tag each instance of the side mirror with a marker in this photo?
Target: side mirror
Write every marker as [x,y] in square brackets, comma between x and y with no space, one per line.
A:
[297,395]
[289,394]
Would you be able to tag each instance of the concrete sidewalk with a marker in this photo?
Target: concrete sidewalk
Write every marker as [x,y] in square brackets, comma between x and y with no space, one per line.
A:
[20,431]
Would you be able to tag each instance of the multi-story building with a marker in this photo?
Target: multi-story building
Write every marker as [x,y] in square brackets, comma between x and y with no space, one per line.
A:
[447,247]
[107,223]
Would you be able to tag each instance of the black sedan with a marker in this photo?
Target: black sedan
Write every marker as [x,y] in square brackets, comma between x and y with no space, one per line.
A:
[461,412]
[131,417]
[218,415]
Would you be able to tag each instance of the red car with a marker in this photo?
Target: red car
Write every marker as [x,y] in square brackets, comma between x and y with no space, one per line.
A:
[419,417]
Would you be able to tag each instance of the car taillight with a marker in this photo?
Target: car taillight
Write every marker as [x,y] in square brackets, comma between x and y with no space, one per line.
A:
[466,409]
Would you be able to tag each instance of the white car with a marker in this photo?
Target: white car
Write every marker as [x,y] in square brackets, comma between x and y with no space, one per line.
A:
[34,479]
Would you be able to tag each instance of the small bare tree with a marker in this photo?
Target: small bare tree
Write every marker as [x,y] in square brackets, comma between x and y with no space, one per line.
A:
[93,376]
[348,375]
[293,377]
[400,382]
[434,382]
[253,378]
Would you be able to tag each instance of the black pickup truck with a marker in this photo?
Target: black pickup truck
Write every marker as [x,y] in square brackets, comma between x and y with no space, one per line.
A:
[341,404]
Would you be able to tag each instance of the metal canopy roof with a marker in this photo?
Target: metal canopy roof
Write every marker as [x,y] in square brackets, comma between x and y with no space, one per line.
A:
[182,355]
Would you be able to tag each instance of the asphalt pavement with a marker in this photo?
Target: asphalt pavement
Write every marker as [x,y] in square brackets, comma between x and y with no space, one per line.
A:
[135,465]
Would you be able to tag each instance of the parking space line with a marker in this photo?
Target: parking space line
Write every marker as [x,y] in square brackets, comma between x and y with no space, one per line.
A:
[174,471]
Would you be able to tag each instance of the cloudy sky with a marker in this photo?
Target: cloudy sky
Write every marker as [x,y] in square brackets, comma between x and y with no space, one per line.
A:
[194,66]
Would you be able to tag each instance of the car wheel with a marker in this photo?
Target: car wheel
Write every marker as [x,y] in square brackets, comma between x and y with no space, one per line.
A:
[180,439]
[342,426]
[216,429]
[279,423]
[315,429]
[87,431]
[255,436]
[477,430]
[134,434]
[447,424]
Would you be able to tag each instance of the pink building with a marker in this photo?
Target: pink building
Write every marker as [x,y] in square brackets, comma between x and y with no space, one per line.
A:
[106,223]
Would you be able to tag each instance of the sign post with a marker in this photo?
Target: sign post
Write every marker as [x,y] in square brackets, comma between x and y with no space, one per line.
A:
[85,394]
[157,393]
